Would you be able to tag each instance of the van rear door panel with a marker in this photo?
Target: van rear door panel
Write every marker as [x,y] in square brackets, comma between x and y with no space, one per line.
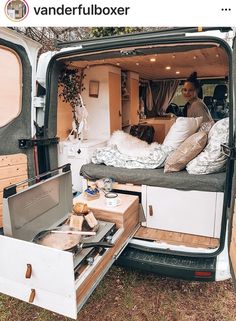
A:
[232,222]
[16,164]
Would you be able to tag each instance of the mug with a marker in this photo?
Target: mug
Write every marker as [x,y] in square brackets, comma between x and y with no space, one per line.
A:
[112,199]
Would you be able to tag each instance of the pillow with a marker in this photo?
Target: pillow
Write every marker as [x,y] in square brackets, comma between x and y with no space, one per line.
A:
[189,149]
[211,159]
[206,126]
[181,129]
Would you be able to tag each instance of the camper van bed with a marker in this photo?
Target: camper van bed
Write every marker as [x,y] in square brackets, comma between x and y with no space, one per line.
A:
[156,177]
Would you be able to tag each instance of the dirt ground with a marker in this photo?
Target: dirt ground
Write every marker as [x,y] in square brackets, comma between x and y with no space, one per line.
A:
[126,295]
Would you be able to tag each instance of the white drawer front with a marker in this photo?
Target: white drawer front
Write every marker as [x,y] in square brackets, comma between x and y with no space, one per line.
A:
[52,275]
[190,212]
[62,304]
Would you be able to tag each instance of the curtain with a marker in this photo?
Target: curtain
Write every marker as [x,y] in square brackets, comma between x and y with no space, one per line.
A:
[159,96]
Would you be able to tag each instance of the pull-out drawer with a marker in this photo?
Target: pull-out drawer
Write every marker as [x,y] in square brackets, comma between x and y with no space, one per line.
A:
[192,212]
[49,278]
[60,281]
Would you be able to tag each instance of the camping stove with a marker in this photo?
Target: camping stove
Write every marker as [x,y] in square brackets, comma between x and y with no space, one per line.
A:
[86,257]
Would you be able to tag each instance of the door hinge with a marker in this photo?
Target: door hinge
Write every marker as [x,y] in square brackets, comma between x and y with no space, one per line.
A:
[228,151]
[26,143]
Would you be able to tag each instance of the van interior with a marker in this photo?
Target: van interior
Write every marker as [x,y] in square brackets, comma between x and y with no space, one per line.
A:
[142,85]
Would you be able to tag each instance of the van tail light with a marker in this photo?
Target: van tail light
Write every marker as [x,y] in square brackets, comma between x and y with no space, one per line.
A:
[205,274]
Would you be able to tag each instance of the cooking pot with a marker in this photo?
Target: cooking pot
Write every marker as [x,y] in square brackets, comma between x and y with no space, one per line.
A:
[66,240]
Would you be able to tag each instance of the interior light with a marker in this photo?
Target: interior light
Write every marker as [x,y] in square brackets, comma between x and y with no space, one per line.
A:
[137,63]
[168,67]
[194,57]
[177,72]
[217,55]
[117,63]
[152,59]
[173,56]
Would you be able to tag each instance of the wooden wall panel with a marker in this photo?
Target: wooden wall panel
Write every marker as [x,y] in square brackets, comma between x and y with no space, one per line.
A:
[115,102]
[134,108]
[64,119]
[13,169]
[161,126]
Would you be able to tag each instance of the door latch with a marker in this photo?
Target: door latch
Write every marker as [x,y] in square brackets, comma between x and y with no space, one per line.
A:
[25,143]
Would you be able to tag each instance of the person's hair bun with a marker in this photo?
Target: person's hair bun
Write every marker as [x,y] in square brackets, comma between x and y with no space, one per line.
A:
[193,76]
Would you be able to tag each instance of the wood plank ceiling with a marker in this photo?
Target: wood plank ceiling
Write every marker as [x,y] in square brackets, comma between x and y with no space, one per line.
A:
[209,62]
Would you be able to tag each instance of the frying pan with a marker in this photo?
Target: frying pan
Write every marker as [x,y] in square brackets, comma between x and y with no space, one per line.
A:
[66,241]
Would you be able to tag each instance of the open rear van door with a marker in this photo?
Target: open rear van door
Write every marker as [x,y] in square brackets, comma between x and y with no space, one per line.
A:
[232,223]
[17,85]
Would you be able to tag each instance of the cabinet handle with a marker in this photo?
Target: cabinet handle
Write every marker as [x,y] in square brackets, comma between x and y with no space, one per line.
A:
[150,210]
[32,296]
[28,272]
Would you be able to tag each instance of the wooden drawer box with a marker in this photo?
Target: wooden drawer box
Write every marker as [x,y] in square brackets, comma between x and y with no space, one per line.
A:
[123,215]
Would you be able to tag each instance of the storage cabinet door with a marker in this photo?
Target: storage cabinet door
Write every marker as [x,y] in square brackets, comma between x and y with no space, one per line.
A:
[134,108]
[114,102]
[190,212]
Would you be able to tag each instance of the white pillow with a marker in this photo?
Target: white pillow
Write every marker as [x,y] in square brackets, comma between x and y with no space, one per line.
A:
[181,130]
[211,159]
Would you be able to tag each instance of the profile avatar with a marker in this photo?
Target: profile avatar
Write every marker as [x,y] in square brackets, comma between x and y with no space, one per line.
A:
[16,10]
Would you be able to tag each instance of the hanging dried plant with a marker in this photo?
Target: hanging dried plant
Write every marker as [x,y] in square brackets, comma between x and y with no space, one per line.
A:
[71,83]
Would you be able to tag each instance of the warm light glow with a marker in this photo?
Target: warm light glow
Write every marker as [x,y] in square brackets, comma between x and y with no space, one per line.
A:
[117,63]
[168,67]
[152,59]
[137,63]
[194,57]
[177,72]
[173,56]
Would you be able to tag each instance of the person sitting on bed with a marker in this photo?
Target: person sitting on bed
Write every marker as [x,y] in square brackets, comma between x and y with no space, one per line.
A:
[194,107]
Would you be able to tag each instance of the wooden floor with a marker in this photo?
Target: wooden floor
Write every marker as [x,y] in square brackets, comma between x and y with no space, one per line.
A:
[175,238]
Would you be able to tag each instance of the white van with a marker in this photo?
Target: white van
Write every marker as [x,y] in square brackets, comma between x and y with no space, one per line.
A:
[186,226]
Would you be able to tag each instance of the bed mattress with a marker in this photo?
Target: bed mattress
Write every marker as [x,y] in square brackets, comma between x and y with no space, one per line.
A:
[156,177]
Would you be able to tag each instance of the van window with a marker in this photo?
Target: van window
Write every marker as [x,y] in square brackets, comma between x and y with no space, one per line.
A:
[207,90]
[10,85]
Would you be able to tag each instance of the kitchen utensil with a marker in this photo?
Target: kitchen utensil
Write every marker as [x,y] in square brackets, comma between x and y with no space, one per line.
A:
[66,241]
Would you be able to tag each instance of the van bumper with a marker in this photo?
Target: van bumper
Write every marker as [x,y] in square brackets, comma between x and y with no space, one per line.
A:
[181,267]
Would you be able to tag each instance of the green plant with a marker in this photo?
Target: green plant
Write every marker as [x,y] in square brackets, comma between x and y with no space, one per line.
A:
[71,83]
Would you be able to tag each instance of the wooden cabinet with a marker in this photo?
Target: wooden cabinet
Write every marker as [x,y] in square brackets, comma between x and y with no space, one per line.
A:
[114,101]
[104,111]
[161,126]
[191,212]
[130,100]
